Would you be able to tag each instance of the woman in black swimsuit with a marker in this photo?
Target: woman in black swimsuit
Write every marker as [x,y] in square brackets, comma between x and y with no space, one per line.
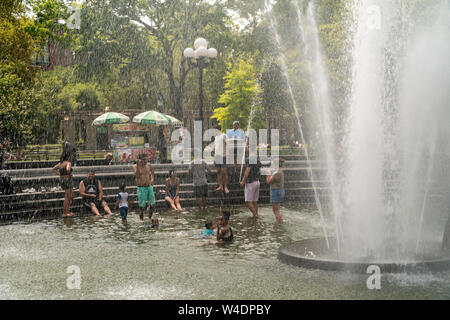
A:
[64,169]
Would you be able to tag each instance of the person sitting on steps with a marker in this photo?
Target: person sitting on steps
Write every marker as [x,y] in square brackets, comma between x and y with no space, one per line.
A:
[92,192]
[172,191]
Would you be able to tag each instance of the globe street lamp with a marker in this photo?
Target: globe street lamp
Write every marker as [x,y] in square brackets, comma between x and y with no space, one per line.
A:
[201,57]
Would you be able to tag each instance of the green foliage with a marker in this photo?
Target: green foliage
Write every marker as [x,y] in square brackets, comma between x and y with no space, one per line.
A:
[275,98]
[10,9]
[46,24]
[20,36]
[335,19]
[16,80]
[140,43]
[128,52]
[241,93]
[80,97]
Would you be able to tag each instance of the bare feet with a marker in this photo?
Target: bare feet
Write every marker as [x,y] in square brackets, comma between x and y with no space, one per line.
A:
[220,188]
[70,214]
[226,190]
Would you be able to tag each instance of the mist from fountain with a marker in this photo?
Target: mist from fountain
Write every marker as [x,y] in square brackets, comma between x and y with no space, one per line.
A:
[322,105]
[297,116]
[390,196]
[398,104]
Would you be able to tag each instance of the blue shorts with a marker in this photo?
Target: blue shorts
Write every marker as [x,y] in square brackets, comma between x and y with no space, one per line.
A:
[276,195]
[123,212]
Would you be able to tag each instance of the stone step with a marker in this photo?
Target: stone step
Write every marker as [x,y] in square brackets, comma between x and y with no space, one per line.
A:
[184,169]
[110,197]
[36,196]
[21,165]
[298,187]
[161,206]
[128,178]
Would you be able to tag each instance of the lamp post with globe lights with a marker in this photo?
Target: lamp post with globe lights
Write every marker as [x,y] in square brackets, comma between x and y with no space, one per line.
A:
[202,58]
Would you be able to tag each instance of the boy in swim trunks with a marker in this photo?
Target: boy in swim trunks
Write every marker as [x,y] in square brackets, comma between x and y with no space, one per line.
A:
[145,177]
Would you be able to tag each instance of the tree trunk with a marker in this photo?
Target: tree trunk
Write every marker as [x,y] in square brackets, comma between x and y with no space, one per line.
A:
[176,95]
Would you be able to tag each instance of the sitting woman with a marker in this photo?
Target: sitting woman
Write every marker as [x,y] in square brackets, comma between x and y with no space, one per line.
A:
[64,170]
[173,190]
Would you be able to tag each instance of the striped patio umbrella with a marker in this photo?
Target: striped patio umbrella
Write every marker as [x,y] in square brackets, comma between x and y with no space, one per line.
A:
[154,117]
[174,120]
[110,117]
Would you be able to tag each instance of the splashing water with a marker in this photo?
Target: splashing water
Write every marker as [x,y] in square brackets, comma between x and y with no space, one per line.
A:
[389,195]
[322,105]
[395,181]
[297,116]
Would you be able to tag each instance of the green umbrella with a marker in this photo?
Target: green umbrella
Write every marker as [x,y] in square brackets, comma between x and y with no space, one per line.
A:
[154,117]
[173,119]
[110,117]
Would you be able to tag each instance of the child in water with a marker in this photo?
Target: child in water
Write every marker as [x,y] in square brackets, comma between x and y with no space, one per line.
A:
[122,203]
[156,224]
[224,230]
[209,229]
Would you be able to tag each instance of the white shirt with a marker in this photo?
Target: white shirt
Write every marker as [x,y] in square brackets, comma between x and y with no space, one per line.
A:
[123,197]
[218,145]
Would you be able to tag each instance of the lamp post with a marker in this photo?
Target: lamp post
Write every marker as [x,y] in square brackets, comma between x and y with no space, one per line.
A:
[162,146]
[201,57]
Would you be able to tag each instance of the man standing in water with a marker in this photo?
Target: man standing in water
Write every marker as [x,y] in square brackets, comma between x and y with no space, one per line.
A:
[251,182]
[145,177]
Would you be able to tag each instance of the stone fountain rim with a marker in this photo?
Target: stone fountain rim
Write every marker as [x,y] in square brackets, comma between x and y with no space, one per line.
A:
[287,255]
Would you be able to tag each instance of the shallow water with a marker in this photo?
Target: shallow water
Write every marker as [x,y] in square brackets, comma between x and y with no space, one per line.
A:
[137,262]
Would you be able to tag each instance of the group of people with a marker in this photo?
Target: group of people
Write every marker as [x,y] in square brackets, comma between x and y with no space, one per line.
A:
[91,189]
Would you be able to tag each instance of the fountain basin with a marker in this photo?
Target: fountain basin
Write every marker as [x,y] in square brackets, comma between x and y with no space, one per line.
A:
[314,254]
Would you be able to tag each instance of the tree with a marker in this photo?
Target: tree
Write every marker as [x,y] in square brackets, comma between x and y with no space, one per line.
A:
[20,37]
[161,30]
[241,95]
[16,79]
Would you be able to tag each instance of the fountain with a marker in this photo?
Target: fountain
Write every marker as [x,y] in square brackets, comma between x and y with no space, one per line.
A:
[390,202]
